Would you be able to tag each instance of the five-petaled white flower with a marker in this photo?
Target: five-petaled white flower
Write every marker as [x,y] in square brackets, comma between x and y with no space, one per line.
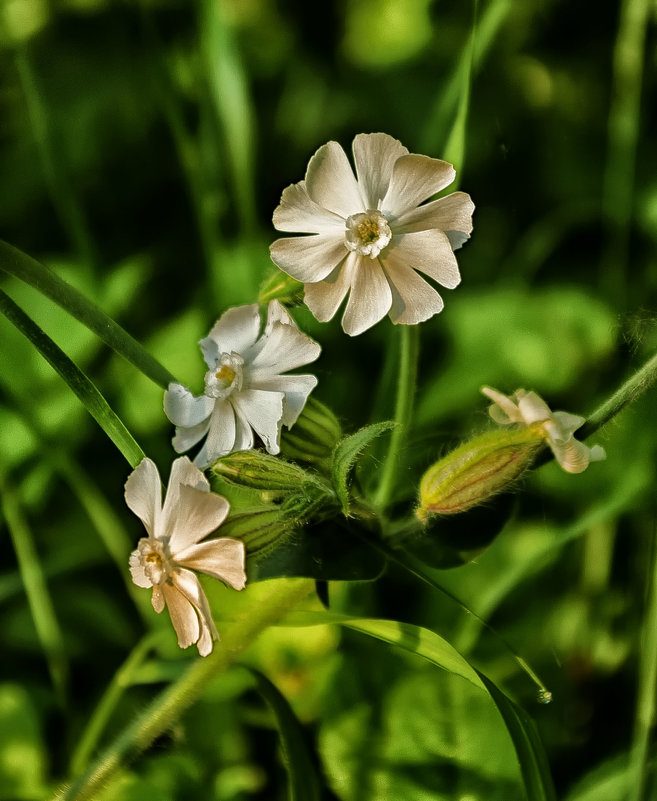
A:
[368,235]
[557,428]
[245,389]
[173,549]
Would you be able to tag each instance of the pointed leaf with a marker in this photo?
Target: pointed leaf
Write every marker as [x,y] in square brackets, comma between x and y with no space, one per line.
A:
[347,452]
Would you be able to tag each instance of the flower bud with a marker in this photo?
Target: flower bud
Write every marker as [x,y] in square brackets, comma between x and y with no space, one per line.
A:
[477,470]
[313,436]
[263,528]
[260,471]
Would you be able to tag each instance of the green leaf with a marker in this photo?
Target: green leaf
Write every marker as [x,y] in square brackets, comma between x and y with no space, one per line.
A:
[86,391]
[434,648]
[303,780]
[19,264]
[529,748]
[409,637]
[346,453]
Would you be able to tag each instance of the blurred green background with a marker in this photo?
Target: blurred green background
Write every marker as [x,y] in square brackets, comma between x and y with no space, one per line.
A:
[143,148]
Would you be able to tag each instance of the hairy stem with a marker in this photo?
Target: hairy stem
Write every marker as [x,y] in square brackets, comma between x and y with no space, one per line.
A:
[172,702]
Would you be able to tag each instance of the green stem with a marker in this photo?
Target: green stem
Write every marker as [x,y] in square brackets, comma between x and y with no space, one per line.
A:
[645,703]
[629,391]
[173,701]
[123,678]
[406,385]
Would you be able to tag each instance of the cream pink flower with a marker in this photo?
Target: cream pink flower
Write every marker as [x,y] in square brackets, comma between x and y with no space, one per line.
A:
[557,428]
[369,236]
[247,385]
[167,558]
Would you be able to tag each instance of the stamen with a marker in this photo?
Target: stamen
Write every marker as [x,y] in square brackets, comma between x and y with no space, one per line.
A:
[368,233]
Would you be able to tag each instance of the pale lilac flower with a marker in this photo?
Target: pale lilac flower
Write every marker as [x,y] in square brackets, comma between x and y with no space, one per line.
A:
[557,428]
[166,559]
[247,385]
[368,235]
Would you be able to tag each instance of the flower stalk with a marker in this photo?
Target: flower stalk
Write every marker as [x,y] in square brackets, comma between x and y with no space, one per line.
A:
[409,338]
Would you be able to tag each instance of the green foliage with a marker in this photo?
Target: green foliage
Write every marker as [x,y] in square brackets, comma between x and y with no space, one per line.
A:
[347,452]
[23,760]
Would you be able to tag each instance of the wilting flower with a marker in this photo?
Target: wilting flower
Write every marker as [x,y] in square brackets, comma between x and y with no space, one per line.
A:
[369,236]
[166,559]
[557,428]
[246,390]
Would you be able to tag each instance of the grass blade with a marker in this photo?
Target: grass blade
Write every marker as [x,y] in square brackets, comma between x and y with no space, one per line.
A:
[36,589]
[86,391]
[44,280]
[303,781]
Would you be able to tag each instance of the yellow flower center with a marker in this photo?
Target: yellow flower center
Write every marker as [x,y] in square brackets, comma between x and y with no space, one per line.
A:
[367,233]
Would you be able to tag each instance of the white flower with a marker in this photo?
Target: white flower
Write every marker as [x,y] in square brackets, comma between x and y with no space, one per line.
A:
[245,389]
[369,235]
[173,549]
[557,428]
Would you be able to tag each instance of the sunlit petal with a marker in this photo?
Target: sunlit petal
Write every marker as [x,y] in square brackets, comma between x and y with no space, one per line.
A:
[299,214]
[221,558]
[311,257]
[370,298]
[330,181]
[375,156]
[143,494]
[414,179]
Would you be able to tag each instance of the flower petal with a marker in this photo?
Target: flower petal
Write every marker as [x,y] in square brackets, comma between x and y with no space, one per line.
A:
[426,251]
[451,214]
[532,407]
[375,156]
[296,389]
[157,599]
[186,438]
[330,181]
[568,423]
[143,494]
[183,615]
[414,179]
[284,349]
[264,412]
[190,589]
[309,258]
[572,455]
[297,213]
[137,572]
[370,298]
[221,435]
[221,558]
[197,514]
[235,331]
[324,297]
[185,409]
[503,411]
[413,299]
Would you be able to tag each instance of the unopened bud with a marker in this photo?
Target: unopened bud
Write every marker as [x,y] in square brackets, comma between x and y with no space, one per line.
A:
[260,471]
[313,436]
[477,470]
[279,286]
[265,527]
